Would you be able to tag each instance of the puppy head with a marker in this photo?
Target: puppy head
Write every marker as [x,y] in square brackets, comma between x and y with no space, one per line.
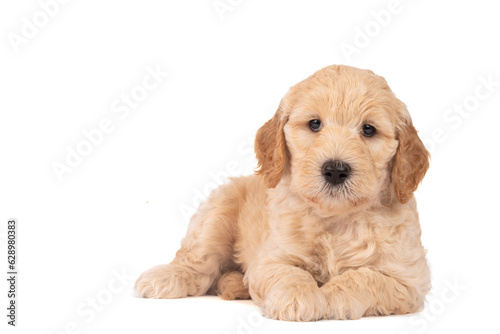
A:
[343,140]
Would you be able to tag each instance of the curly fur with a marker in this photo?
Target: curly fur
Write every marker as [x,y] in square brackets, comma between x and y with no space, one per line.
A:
[302,249]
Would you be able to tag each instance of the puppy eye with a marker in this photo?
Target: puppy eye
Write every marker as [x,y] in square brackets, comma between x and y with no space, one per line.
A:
[368,130]
[315,124]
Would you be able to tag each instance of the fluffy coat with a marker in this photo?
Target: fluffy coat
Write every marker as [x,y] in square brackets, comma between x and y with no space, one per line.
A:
[302,249]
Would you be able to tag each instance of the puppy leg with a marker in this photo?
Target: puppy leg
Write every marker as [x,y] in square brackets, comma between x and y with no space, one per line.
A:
[365,292]
[286,292]
[187,275]
[166,281]
[231,286]
[206,251]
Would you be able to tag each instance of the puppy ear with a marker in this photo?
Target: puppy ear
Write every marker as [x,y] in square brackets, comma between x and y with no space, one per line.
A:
[270,148]
[410,163]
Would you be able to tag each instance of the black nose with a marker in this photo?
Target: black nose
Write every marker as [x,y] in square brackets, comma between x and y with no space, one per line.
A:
[335,172]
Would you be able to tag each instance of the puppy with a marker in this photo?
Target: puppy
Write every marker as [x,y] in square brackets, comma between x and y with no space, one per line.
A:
[328,227]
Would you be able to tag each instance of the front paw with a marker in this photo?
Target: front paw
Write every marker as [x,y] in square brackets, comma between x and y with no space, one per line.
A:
[340,304]
[295,303]
[162,281]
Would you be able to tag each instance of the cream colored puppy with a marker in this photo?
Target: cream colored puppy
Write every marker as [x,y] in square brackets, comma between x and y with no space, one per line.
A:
[328,227]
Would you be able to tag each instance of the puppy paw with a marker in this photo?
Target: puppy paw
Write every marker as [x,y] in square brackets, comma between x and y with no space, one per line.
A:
[295,303]
[343,312]
[162,281]
[341,306]
[231,286]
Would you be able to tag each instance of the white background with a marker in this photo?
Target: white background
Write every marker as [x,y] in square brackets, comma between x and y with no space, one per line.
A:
[121,208]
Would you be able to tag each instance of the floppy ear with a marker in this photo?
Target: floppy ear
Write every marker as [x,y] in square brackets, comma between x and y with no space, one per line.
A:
[270,148]
[410,163]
